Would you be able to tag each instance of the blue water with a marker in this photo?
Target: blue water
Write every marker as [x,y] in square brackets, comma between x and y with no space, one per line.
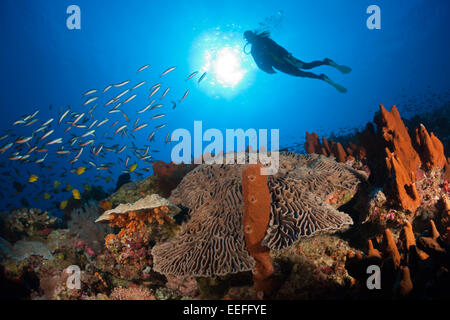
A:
[44,63]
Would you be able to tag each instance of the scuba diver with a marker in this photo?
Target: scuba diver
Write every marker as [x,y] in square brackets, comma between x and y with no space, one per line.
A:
[268,55]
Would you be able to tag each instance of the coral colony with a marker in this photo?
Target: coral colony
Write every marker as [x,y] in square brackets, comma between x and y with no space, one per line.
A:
[320,227]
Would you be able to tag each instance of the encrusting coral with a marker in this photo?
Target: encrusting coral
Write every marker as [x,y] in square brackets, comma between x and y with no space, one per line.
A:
[212,242]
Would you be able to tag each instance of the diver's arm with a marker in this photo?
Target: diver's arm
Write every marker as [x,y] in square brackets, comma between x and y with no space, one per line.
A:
[264,66]
[262,59]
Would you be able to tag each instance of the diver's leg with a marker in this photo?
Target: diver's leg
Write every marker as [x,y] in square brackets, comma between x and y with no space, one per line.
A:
[313,64]
[303,74]
[294,61]
[290,69]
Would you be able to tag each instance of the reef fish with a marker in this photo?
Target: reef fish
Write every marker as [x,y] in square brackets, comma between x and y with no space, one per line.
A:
[76,194]
[191,75]
[167,71]
[143,68]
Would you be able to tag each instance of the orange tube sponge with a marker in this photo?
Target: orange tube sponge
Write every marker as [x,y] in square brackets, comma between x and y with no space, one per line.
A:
[431,149]
[390,248]
[255,220]
[410,240]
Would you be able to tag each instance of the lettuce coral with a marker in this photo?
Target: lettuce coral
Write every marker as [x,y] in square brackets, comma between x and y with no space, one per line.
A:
[212,242]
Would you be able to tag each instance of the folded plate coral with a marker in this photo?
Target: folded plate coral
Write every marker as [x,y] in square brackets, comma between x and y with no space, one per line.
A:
[212,242]
[148,203]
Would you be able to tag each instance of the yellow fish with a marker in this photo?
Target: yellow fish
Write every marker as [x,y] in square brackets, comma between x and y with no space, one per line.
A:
[133,167]
[33,178]
[80,170]
[47,196]
[63,205]
[69,187]
[56,184]
[108,179]
[76,194]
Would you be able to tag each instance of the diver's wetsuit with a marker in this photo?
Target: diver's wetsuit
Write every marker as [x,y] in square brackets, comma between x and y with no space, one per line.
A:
[268,55]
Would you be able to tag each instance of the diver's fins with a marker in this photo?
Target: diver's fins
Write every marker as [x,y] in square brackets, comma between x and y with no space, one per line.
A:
[338,87]
[342,69]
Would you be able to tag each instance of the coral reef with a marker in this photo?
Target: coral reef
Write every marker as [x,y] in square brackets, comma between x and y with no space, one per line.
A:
[212,193]
[227,232]
[26,224]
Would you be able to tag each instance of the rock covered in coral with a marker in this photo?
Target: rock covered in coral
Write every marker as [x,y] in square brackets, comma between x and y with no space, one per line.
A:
[142,223]
[213,194]
[26,223]
[187,287]
[314,268]
[124,178]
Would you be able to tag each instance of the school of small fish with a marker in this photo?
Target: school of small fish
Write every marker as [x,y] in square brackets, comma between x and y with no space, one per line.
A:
[79,141]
